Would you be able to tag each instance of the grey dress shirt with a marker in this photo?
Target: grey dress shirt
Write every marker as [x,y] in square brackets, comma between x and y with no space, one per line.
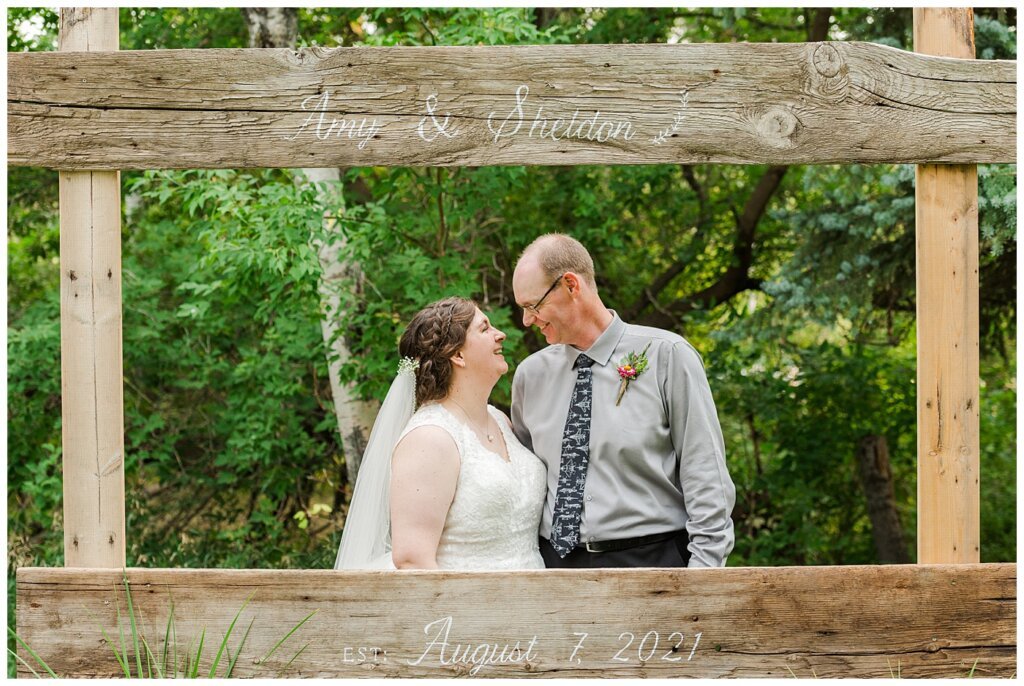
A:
[657,460]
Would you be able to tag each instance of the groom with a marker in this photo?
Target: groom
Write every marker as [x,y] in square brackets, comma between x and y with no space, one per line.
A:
[623,418]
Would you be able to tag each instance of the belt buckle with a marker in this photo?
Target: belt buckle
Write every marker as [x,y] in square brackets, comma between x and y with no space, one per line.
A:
[589,549]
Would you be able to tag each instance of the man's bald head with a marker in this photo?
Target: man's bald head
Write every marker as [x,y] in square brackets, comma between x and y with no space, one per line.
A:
[557,253]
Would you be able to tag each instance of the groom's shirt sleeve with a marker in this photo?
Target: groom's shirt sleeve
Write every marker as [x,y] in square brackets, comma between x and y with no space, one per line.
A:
[708,491]
[518,425]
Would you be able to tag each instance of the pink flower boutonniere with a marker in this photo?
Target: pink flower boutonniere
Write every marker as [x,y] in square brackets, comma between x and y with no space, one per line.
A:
[630,367]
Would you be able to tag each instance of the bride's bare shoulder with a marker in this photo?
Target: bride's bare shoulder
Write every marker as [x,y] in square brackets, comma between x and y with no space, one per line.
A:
[427,443]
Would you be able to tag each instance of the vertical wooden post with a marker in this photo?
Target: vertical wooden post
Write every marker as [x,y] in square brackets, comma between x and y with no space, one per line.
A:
[90,338]
[948,377]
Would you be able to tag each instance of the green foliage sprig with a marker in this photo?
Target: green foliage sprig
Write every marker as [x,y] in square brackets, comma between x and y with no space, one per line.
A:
[139,646]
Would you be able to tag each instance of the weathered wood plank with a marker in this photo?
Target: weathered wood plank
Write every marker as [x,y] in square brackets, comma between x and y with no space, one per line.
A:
[92,391]
[858,621]
[468,106]
[948,419]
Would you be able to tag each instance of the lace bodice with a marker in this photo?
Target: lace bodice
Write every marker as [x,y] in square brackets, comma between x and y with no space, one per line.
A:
[494,517]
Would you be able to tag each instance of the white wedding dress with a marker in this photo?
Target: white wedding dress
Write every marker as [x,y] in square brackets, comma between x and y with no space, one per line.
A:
[494,517]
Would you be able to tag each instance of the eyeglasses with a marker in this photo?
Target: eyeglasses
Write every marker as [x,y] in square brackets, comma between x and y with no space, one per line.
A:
[535,308]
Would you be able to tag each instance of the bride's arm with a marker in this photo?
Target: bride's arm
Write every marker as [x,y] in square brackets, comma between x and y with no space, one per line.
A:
[424,473]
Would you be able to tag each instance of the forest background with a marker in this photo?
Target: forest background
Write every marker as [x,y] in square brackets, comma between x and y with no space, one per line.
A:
[262,307]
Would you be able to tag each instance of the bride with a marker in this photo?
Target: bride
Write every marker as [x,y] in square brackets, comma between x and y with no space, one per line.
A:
[449,487]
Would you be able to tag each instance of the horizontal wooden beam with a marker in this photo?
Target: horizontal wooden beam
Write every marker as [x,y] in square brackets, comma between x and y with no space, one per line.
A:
[858,621]
[540,105]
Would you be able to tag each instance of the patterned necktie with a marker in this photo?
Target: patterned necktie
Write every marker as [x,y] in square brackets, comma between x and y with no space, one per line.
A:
[572,470]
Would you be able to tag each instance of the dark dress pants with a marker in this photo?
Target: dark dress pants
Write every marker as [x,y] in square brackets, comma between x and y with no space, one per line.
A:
[670,553]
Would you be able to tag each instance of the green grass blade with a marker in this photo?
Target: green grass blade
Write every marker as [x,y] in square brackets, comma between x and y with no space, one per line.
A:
[149,665]
[34,654]
[194,672]
[187,659]
[117,655]
[227,635]
[20,659]
[151,662]
[134,626]
[123,656]
[286,637]
[174,641]
[289,663]
[167,634]
[231,665]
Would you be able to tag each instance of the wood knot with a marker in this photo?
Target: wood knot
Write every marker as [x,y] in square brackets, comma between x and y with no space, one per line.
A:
[827,60]
[72,275]
[778,127]
[825,72]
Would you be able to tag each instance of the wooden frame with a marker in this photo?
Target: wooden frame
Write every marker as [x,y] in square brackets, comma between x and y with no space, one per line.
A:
[855,621]
[795,103]
[803,103]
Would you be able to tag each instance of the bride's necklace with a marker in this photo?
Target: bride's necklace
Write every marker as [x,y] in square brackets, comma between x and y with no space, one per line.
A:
[490,436]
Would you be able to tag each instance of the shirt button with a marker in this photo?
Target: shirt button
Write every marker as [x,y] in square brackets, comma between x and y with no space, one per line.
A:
[589,498]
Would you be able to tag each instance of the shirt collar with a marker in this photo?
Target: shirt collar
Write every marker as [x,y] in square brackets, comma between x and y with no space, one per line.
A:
[601,351]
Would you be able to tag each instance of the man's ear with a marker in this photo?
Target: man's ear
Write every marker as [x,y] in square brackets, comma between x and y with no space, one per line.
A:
[572,282]
[458,360]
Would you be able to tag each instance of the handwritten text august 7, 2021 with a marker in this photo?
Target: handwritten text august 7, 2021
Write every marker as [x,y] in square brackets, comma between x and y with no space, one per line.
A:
[440,649]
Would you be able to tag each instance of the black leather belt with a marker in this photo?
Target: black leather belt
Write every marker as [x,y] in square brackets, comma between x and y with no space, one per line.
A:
[625,543]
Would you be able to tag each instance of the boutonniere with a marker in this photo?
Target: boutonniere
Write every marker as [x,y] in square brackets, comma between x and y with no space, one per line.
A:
[630,367]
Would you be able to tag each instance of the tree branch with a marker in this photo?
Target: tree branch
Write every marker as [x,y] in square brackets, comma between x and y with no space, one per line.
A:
[736,277]
[650,294]
[703,211]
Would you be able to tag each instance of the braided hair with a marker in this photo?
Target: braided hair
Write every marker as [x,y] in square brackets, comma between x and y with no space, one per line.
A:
[436,333]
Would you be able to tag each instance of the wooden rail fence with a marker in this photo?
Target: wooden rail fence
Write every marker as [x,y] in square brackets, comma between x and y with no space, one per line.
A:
[538,105]
[859,621]
[87,113]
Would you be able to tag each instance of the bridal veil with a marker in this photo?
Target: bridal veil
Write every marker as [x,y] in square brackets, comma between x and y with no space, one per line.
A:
[366,538]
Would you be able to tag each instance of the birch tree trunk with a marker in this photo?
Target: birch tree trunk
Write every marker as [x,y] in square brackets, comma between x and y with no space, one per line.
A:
[277,27]
[355,417]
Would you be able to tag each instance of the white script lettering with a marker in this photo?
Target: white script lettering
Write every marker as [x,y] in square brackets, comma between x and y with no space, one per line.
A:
[583,636]
[557,129]
[478,655]
[440,127]
[362,131]
[516,112]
